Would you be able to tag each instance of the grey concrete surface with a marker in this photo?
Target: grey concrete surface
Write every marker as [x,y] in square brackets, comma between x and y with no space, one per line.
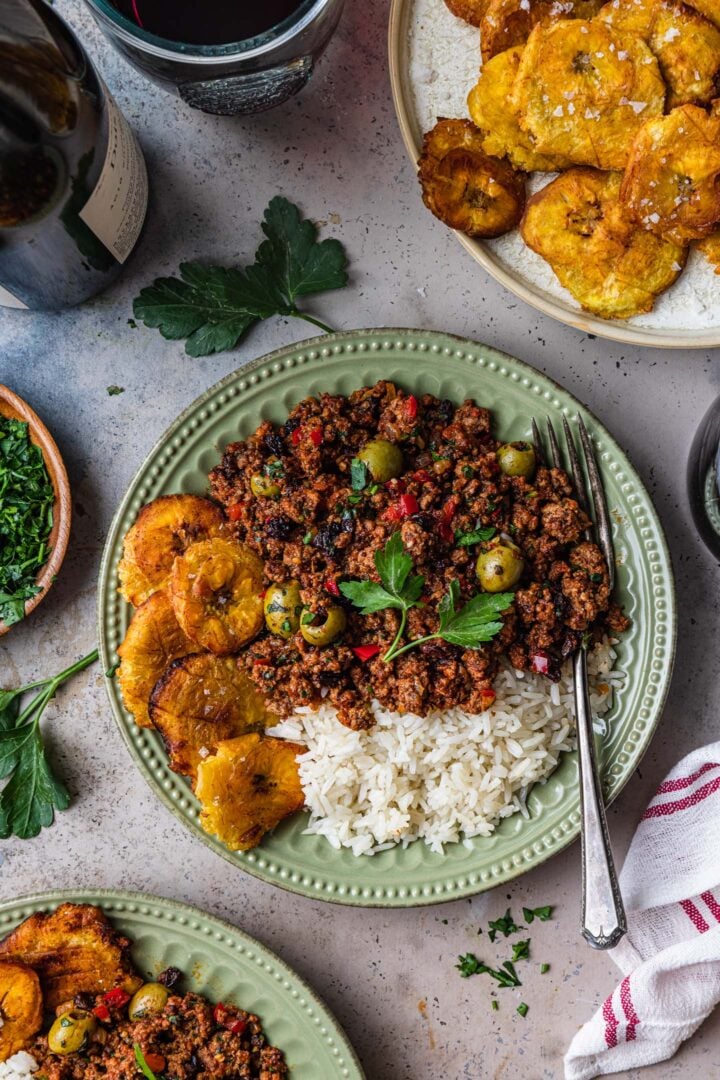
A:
[389,976]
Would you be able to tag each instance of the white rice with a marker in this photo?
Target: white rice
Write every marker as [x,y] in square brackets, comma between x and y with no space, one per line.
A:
[20,1066]
[443,778]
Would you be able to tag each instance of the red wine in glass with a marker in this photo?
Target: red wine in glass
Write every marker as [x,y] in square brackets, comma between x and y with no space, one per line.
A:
[212,22]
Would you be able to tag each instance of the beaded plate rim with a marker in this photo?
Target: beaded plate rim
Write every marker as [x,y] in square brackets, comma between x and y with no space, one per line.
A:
[160,910]
[330,885]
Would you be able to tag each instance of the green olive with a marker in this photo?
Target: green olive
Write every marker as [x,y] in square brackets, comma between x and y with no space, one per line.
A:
[500,567]
[282,609]
[149,1000]
[516,459]
[264,487]
[70,1032]
[322,633]
[384,460]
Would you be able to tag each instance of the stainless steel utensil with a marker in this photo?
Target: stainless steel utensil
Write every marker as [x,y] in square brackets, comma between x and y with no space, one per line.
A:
[603,914]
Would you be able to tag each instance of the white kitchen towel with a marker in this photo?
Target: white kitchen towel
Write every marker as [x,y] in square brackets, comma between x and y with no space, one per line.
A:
[671,955]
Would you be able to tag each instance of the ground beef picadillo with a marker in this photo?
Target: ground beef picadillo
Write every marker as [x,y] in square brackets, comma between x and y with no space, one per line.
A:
[318,531]
[186,1035]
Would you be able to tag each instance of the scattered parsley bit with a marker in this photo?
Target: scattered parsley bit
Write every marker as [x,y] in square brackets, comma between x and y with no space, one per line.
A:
[142,1063]
[544,968]
[354,498]
[110,673]
[523,1008]
[307,538]
[212,307]
[505,925]
[113,391]
[477,536]
[469,627]
[596,578]
[32,793]
[494,1004]
[541,913]
[521,950]
[27,498]
[444,922]
[132,324]
[505,975]
[468,471]
[358,474]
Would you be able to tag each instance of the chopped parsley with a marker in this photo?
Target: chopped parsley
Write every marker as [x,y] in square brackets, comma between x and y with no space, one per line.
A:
[505,925]
[495,1005]
[544,968]
[541,913]
[521,950]
[505,975]
[523,1008]
[113,391]
[358,474]
[27,498]
[476,536]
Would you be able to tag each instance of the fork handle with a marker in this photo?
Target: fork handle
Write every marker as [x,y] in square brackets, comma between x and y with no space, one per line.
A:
[603,914]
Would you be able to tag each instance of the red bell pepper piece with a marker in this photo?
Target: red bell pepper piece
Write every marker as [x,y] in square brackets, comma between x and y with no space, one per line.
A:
[101,1012]
[366,652]
[296,436]
[228,1018]
[408,505]
[540,662]
[332,587]
[422,476]
[316,436]
[411,406]
[116,998]
[234,512]
[446,515]
[155,1062]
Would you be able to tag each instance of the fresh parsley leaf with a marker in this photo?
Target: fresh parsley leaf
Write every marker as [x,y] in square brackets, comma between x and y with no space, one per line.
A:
[368,596]
[474,623]
[142,1063]
[523,1009]
[505,925]
[113,391]
[477,536]
[393,564]
[296,260]
[541,913]
[213,306]
[544,968]
[494,1004]
[358,474]
[470,965]
[32,794]
[521,950]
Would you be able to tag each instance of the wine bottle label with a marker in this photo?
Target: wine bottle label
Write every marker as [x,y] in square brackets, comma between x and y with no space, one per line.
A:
[116,209]
[8,300]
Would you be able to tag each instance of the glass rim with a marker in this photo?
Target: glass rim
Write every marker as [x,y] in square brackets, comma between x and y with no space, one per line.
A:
[132,34]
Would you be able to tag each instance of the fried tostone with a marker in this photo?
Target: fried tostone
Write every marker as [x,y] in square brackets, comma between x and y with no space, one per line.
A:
[163,530]
[612,267]
[672,181]
[686,45]
[709,8]
[201,701]
[248,787]
[491,111]
[470,11]
[464,187]
[509,22]
[152,641]
[21,1007]
[216,590]
[73,949]
[583,90]
[710,247]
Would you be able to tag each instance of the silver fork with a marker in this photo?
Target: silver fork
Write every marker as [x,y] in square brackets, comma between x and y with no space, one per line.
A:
[603,914]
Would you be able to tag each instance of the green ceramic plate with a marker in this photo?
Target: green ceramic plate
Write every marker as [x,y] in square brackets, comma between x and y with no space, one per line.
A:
[222,963]
[449,367]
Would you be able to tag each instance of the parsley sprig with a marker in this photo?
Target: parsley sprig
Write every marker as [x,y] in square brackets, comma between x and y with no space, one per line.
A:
[468,626]
[32,793]
[212,307]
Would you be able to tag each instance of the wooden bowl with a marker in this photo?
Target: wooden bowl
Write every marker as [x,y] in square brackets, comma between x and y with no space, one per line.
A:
[14,407]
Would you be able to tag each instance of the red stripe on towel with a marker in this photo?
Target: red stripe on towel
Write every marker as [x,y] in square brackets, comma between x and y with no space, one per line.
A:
[629,1009]
[664,809]
[694,916]
[611,1023]
[686,781]
[712,904]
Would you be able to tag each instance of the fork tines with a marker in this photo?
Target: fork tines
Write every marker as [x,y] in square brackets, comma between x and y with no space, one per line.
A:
[590,496]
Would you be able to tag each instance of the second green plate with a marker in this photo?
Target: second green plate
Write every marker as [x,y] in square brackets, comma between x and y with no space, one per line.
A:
[423,362]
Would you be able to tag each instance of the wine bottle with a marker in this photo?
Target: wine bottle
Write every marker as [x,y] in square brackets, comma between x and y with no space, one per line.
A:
[73,182]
